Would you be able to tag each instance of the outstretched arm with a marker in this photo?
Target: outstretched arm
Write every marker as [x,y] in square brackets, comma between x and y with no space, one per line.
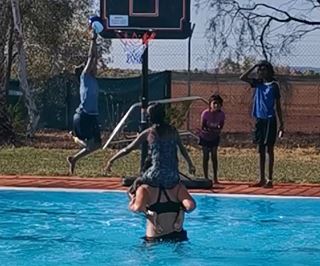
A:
[91,65]
[245,76]
[185,154]
[132,146]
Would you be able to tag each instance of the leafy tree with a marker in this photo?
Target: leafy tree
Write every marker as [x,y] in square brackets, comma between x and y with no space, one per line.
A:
[230,66]
[56,36]
[6,130]
[55,39]
[243,27]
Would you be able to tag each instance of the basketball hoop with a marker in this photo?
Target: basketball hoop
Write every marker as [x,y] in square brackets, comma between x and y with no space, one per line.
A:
[135,45]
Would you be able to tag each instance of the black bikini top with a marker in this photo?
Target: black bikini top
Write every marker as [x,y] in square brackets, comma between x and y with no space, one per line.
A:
[164,207]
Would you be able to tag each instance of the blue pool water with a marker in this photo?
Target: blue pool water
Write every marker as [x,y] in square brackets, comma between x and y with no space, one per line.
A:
[74,228]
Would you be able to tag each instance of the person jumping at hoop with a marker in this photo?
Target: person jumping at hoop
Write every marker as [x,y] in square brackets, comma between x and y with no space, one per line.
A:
[86,130]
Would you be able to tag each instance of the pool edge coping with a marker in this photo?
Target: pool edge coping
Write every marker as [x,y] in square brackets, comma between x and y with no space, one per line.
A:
[80,190]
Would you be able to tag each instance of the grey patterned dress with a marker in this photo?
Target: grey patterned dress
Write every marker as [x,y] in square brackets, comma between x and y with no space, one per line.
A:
[164,171]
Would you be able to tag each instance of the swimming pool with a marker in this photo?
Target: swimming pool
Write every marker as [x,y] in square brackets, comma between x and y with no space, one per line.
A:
[77,228]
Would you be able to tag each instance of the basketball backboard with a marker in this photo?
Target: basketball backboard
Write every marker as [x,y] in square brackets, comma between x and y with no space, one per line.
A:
[169,19]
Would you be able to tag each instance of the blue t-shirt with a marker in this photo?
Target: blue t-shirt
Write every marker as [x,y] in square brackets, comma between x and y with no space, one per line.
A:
[89,91]
[265,96]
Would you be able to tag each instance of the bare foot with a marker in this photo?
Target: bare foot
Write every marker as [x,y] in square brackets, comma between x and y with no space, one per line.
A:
[217,186]
[260,183]
[71,165]
[268,184]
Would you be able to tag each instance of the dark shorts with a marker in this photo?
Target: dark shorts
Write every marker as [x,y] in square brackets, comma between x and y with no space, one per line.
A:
[86,127]
[209,144]
[172,237]
[265,133]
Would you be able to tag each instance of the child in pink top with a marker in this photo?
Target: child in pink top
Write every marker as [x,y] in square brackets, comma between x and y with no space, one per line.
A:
[212,122]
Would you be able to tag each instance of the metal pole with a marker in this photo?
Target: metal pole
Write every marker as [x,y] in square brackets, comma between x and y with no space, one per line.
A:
[144,103]
[189,71]
[68,101]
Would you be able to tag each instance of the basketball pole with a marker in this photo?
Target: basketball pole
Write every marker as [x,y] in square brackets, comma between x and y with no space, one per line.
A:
[144,103]
[189,71]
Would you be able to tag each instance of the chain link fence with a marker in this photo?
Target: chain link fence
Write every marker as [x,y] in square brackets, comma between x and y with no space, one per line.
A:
[300,97]
[298,74]
[300,91]
[173,55]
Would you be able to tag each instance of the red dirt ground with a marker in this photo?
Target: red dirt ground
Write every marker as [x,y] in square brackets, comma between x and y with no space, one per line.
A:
[305,190]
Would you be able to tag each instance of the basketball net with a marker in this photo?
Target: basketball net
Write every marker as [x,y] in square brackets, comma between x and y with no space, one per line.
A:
[134,46]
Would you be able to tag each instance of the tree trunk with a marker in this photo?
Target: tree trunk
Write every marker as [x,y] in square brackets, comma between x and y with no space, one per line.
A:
[22,71]
[10,44]
[7,134]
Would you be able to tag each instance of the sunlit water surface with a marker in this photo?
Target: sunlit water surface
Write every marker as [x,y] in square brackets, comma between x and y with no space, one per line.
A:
[76,228]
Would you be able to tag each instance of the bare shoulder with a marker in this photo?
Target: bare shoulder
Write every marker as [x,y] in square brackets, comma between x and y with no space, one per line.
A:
[151,192]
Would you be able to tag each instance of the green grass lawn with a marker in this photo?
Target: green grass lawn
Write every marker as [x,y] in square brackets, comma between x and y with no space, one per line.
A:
[292,165]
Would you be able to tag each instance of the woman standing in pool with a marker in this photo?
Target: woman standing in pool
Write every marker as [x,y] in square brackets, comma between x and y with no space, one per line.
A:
[162,173]
[164,208]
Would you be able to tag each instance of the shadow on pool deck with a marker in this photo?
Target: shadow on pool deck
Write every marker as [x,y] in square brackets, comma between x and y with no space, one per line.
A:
[312,190]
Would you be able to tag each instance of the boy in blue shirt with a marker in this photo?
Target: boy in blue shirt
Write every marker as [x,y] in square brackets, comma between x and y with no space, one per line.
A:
[86,130]
[266,97]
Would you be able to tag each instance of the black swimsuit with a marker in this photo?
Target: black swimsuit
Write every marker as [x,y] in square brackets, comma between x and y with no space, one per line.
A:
[167,207]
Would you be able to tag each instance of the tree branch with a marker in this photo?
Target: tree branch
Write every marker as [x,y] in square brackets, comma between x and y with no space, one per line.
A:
[289,17]
[266,26]
[262,28]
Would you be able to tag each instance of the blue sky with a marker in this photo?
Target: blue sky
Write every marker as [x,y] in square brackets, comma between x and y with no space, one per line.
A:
[172,54]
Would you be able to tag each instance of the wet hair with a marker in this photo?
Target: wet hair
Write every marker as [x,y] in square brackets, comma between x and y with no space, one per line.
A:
[157,115]
[215,98]
[268,66]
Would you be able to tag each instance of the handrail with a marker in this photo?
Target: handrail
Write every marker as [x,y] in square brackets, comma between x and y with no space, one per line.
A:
[120,124]
[138,104]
